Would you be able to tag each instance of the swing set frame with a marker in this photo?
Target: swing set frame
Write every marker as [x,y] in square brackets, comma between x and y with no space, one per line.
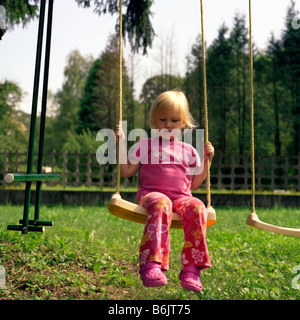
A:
[36,224]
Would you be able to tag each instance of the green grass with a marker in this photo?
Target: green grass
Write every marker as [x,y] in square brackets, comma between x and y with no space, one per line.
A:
[89,254]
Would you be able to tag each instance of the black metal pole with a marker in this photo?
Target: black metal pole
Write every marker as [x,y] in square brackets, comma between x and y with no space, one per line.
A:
[44,107]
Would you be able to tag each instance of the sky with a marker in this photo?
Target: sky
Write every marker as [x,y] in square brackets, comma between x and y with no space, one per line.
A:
[81,29]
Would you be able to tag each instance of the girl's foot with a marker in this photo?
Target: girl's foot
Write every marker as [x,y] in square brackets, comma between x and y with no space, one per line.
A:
[152,276]
[190,279]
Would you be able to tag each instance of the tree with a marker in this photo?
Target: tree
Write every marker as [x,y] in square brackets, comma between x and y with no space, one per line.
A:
[68,100]
[166,60]
[83,142]
[239,39]
[20,12]
[291,45]
[99,105]
[267,100]
[193,83]
[10,96]
[269,70]
[275,52]
[13,132]
[219,78]
[137,26]
[219,72]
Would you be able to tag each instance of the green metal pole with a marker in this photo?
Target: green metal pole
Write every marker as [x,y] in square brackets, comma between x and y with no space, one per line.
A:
[21,177]
[33,115]
[44,107]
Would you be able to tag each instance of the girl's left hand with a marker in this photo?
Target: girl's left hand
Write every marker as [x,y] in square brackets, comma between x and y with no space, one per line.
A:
[209,150]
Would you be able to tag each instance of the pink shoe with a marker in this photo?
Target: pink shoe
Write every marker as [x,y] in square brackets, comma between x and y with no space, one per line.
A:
[152,276]
[190,279]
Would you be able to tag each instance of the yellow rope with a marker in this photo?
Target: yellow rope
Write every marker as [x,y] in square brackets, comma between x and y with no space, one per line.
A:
[252,110]
[205,106]
[121,94]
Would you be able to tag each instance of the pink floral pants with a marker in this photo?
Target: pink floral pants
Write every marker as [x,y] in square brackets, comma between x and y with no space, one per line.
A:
[155,244]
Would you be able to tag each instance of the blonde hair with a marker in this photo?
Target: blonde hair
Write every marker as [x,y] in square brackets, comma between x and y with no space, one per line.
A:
[172,101]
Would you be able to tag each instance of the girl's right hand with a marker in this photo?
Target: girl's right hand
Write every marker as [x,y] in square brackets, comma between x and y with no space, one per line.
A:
[119,133]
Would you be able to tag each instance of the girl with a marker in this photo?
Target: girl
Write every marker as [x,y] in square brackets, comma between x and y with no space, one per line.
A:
[166,181]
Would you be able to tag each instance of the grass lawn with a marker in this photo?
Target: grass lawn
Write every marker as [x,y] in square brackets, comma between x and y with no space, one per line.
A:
[90,254]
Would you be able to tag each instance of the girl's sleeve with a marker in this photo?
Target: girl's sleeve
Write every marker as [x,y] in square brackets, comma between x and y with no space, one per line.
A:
[138,152]
[195,162]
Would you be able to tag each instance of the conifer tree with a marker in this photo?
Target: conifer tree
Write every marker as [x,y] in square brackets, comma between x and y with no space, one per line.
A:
[99,105]
[68,99]
[239,39]
[219,82]
[291,45]
[137,27]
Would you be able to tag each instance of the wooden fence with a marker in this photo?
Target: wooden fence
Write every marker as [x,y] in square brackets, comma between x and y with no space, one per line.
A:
[231,172]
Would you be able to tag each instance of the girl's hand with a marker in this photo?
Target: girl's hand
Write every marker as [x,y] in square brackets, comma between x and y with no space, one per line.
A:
[209,150]
[197,179]
[119,133]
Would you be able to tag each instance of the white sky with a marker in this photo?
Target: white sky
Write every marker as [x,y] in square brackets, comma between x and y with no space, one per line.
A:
[78,28]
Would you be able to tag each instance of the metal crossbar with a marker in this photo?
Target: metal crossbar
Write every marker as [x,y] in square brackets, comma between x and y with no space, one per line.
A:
[21,177]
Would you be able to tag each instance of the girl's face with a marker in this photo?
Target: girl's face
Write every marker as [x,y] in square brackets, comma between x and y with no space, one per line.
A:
[169,122]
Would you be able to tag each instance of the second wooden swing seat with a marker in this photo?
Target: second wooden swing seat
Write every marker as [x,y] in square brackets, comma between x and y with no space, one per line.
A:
[130,211]
[253,219]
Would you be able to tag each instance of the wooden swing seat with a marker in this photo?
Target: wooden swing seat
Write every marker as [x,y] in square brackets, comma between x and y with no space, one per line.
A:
[254,221]
[135,213]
